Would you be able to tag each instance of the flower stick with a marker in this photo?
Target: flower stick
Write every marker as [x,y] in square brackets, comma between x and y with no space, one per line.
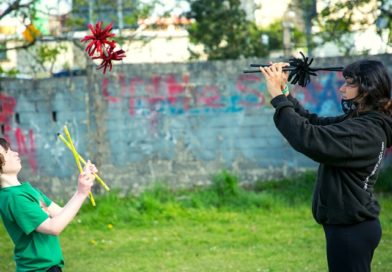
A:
[77,160]
[100,180]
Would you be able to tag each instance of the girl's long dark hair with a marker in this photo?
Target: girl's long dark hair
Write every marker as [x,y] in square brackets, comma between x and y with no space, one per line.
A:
[374,85]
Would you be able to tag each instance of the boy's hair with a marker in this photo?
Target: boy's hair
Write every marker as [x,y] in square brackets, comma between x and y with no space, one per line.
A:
[6,146]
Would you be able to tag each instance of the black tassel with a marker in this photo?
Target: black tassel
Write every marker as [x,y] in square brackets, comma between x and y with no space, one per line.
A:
[300,70]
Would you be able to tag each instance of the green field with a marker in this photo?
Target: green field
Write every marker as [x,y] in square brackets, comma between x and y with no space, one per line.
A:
[220,228]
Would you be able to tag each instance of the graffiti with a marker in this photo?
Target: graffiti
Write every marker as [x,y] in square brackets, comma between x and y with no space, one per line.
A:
[321,95]
[253,96]
[176,95]
[170,96]
[27,150]
[7,111]
[7,107]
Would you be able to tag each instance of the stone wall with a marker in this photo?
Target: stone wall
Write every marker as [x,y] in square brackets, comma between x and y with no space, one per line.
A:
[177,123]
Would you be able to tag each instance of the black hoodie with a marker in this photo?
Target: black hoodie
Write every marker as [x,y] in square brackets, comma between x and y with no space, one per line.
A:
[349,150]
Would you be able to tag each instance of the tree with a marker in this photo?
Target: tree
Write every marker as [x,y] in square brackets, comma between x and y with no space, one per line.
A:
[45,48]
[275,38]
[338,22]
[222,28]
[26,12]
[384,20]
[308,11]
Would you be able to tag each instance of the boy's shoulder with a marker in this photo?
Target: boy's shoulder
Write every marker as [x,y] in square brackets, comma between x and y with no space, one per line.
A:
[24,189]
[23,193]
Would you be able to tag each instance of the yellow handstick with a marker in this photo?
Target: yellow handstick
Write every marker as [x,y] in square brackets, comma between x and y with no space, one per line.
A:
[84,162]
[77,159]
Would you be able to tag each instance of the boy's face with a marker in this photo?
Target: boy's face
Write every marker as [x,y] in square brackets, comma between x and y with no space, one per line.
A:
[12,164]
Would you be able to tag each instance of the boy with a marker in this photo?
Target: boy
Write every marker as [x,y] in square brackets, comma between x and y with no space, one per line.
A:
[32,220]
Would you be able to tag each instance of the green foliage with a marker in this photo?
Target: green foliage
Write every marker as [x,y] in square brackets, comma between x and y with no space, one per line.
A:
[384,182]
[275,38]
[291,191]
[46,53]
[8,73]
[162,203]
[27,10]
[222,28]
[250,231]
[339,22]
[225,185]
[384,20]
[225,193]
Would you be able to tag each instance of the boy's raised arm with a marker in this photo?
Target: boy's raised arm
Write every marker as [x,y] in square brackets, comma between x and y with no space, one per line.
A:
[54,209]
[56,224]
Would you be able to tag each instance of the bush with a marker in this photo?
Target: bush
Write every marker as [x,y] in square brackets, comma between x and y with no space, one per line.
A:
[290,190]
[384,182]
[161,203]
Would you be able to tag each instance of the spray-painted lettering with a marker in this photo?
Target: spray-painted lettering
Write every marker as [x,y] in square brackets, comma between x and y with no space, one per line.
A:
[166,94]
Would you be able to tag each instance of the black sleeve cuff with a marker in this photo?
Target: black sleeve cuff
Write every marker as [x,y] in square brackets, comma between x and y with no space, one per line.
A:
[280,100]
[290,97]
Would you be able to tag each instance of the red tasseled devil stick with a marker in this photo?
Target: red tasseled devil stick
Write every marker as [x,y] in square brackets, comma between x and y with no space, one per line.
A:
[97,47]
[108,57]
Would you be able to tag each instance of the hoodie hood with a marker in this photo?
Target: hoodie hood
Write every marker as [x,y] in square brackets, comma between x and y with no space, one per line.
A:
[385,122]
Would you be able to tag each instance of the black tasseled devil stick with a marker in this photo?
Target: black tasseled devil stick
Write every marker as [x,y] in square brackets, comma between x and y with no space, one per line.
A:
[300,70]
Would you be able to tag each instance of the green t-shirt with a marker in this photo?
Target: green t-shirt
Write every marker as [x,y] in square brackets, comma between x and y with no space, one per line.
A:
[22,211]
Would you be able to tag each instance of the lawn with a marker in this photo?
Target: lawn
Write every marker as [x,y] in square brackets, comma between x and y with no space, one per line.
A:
[221,228]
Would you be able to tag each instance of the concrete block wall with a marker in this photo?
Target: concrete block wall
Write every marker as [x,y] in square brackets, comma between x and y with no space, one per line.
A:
[177,123]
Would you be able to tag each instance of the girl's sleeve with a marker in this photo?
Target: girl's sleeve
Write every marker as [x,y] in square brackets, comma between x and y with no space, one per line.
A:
[328,144]
[313,118]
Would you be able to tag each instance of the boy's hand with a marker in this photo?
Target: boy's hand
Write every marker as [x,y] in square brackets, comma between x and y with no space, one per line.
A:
[86,178]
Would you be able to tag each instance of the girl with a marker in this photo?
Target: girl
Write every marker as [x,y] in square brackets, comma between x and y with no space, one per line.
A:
[350,149]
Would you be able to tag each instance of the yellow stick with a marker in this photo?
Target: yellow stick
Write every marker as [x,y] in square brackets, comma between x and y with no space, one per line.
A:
[77,159]
[100,180]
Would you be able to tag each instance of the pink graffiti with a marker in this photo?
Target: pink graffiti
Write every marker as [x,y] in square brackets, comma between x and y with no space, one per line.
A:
[163,92]
[243,87]
[8,104]
[175,89]
[210,97]
[26,150]
[105,92]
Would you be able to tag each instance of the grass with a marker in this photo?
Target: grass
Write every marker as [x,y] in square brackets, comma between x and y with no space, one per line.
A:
[220,228]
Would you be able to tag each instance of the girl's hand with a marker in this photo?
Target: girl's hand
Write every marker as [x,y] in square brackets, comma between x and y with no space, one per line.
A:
[285,74]
[275,78]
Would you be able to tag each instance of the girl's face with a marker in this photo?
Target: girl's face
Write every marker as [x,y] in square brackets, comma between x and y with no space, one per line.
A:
[12,164]
[349,89]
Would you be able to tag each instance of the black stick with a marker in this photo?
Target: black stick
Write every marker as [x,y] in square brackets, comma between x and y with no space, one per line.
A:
[291,68]
[334,68]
